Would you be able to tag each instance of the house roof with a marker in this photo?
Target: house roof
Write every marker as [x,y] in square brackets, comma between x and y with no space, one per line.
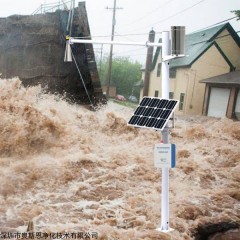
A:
[227,78]
[198,43]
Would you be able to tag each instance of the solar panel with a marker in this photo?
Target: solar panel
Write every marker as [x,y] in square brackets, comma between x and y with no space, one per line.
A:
[153,113]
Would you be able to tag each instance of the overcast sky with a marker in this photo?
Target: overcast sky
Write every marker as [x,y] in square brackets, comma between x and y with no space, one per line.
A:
[137,17]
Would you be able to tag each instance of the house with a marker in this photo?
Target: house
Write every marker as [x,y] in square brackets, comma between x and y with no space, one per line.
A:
[209,53]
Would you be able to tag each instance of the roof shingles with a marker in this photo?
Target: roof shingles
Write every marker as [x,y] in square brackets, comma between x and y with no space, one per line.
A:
[227,78]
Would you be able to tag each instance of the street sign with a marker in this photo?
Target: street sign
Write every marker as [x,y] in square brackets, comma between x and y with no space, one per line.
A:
[165,155]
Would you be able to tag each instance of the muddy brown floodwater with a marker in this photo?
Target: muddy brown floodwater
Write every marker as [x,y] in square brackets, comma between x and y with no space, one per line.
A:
[68,169]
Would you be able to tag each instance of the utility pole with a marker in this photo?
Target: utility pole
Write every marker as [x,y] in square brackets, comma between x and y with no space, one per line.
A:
[111,47]
[151,38]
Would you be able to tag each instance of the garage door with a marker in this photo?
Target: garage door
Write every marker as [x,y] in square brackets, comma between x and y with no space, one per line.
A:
[218,102]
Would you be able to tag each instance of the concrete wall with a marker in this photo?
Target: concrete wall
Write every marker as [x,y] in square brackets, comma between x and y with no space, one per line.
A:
[32,48]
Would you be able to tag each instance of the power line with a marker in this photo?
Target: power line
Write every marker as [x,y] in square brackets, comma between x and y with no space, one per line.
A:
[215,24]
[141,54]
[138,34]
[135,50]
[184,10]
[148,14]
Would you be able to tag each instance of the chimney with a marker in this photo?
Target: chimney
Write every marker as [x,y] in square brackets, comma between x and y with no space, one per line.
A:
[149,58]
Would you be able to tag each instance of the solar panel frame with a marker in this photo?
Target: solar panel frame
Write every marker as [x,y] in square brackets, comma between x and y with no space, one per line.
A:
[153,113]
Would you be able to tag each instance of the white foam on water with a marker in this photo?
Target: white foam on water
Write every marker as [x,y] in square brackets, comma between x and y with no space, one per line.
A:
[69,169]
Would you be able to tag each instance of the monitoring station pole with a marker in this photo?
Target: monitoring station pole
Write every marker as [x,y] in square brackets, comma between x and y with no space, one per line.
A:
[177,50]
[165,133]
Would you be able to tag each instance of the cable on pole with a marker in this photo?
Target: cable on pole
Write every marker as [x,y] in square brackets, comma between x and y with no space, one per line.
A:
[79,72]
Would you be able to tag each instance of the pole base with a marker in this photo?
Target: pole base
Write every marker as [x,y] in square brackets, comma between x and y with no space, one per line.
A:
[165,231]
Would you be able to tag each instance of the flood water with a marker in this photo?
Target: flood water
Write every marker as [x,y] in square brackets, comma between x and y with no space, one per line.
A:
[68,169]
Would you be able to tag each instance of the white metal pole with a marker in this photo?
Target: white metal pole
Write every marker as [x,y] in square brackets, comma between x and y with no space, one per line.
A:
[165,65]
[165,95]
[145,44]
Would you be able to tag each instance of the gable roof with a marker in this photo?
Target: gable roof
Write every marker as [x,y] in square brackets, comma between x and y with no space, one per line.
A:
[198,43]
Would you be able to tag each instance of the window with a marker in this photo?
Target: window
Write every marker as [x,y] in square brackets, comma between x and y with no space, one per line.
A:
[171,94]
[181,103]
[159,69]
[172,72]
[156,93]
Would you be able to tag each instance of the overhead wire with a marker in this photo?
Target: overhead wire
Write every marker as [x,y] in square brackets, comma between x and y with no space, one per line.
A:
[229,19]
[135,50]
[120,54]
[165,19]
[148,14]
[139,34]
[135,34]
[157,32]
[184,10]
